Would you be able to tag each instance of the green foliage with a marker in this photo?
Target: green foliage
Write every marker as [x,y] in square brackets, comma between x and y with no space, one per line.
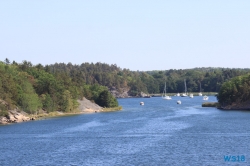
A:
[8,87]
[96,90]
[236,90]
[3,110]
[4,113]
[47,102]
[3,107]
[57,87]
[69,104]
[110,109]
[30,103]
[7,61]
[36,87]
[106,99]
[28,99]
[111,76]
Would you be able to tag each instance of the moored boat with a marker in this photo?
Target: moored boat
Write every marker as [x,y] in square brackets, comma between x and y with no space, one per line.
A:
[164,94]
[185,93]
[205,97]
[200,94]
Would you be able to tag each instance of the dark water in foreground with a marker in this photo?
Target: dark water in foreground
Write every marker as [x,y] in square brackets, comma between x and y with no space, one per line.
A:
[158,133]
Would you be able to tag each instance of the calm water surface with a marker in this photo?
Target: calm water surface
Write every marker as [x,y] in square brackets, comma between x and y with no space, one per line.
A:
[158,133]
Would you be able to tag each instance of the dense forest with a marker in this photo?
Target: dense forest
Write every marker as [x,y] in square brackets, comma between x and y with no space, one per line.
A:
[151,82]
[235,91]
[31,88]
[58,86]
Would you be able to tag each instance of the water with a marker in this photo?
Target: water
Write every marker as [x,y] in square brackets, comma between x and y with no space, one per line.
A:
[158,133]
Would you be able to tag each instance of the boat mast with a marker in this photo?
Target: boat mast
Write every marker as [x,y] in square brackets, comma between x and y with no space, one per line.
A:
[200,87]
[164,91]
[185,86]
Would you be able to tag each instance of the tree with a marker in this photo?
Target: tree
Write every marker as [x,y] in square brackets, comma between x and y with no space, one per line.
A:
[67,105]
[236,90]
[106,99]
[47,102]
[7,61]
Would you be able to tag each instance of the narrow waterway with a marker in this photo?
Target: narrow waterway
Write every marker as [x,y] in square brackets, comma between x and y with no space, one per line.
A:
[160,132]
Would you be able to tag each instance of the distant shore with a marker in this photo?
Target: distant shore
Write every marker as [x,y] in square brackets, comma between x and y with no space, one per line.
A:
[194,93]
[170,94]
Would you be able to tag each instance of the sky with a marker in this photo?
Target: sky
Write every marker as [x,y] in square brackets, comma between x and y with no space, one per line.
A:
[133,34]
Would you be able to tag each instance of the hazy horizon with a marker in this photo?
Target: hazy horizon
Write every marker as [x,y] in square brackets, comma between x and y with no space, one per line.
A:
[11,61]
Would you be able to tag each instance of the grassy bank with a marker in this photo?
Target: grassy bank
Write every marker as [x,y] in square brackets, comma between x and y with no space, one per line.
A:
[58,114]
[210,104]
[52,114]
[112,109]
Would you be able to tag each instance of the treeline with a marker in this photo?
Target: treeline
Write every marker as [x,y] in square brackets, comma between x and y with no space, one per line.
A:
[58,86]
[111,76]
[33,87]
[235,91]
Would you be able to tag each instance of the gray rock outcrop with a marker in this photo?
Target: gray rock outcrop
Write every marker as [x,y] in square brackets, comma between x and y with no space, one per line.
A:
[86,106]
[121,93]
[14,116]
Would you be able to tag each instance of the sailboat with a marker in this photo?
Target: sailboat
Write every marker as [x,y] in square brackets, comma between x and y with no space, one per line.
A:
[200,94]
[164,94]
[185,93]
[205,97]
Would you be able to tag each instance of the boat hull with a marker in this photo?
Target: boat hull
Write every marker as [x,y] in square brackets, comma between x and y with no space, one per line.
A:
[166,98]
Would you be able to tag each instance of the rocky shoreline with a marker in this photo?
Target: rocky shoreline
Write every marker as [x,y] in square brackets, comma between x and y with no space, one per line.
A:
[233,106]
[236,106]
[17,116]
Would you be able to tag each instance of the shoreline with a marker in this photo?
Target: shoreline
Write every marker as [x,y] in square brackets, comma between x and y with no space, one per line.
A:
[42,116]
[170,94]
[85,107]
[60,114]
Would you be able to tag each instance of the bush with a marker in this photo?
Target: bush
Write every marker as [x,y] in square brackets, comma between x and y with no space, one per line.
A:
[4,113]
[106,99]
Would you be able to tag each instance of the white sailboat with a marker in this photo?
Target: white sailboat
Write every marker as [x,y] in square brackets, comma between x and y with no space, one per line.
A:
[164,94]
[178,94]
[185,93]
[205,97]
[191,95]
[200,94]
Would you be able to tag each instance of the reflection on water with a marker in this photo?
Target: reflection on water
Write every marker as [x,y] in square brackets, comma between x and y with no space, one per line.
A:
[158,133]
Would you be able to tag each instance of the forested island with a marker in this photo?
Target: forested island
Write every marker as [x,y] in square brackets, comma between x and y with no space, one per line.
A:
[235,93]
[59,87]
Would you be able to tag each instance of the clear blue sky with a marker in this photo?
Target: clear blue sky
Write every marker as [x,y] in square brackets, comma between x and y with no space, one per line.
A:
[134,34]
